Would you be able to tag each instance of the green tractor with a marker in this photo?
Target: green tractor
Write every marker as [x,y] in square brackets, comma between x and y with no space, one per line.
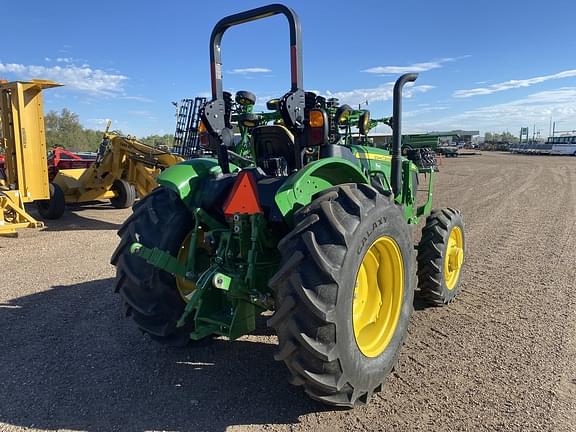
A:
[315,229]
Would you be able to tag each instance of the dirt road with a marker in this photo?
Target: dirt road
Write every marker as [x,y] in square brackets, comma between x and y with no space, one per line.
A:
[502,357]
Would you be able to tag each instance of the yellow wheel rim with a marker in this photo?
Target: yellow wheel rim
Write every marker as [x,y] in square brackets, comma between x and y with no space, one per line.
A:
[378,296]
[185,286]
[453,258]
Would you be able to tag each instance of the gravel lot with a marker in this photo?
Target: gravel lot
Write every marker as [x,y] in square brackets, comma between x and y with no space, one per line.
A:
[502,357]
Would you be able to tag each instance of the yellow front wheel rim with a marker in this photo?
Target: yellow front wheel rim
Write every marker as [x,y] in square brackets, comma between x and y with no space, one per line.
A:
[378,296]
[453,258]
[185,286]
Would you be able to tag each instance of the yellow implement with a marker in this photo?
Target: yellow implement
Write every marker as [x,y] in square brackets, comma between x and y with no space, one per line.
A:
[123,168]
[22,139]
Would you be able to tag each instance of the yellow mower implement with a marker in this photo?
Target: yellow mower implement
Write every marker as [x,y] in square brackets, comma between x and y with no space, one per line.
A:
[23,141]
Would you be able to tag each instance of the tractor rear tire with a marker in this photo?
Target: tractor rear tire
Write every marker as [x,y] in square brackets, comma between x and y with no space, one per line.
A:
[439,285]
[54,207]
[315,290]
[125,194]
[150,294]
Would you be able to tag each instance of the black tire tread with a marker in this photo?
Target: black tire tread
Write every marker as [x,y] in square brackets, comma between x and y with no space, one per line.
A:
[305,325]
[126,194]
[54,207]
[430,256]
[149,294]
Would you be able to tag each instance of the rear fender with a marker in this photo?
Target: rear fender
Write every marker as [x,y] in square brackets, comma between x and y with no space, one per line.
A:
[299,189]
[185,177]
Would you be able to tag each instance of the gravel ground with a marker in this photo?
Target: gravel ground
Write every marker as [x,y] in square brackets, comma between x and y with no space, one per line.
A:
[502,357]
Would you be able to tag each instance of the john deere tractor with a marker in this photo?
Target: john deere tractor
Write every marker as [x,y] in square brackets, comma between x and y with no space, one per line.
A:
[315,228]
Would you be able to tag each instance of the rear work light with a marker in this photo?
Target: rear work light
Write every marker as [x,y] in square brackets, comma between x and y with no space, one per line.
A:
[244,196]
[316,119]
[317,124]
[203,134]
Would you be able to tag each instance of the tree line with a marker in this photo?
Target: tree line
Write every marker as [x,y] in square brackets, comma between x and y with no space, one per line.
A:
[504,137]
[64,129]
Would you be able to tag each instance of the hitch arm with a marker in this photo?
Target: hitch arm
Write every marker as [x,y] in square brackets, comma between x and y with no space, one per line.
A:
[158,258]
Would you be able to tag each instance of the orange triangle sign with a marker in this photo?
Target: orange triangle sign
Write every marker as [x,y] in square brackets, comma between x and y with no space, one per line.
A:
[244,196]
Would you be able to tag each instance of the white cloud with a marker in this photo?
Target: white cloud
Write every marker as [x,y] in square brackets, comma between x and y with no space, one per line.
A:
[537,108]
[142,113]
[137,98]
[507,85]
[376,94]
[424,110]
[250,70]
[64,60]
[416,67]
[83,78]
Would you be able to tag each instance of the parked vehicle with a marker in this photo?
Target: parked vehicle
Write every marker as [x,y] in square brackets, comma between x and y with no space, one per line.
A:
[563,145]
[317,229]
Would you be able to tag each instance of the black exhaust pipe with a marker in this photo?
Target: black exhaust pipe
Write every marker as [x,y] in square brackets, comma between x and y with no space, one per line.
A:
[396,169]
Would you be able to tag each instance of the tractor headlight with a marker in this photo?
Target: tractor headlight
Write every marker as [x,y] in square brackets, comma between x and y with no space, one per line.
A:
[342,114]
[364,123]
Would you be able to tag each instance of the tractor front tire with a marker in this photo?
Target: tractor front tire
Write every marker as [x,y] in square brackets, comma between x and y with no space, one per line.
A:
[150,294]
[441,253]
[125,194]
[54,207]
[323,290]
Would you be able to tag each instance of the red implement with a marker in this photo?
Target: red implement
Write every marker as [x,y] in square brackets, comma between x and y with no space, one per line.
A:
[61,158]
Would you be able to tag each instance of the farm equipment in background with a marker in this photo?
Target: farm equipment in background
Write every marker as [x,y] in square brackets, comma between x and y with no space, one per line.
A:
[191,141]
[434,142]
[24,175]
[186,142]
[60,158]
[422,147]
[319,231]
[123,169]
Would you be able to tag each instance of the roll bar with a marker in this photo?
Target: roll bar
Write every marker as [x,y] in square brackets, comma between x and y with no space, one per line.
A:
[253,15]
[214,112]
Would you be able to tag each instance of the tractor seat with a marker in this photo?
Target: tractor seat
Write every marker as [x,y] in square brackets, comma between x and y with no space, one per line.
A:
[273,142]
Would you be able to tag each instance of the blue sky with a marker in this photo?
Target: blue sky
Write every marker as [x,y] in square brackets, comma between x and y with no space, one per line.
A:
[491,65]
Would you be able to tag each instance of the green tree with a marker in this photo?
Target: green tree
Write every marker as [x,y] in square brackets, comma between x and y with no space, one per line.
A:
[505,137]
[158,140]
[64,129]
